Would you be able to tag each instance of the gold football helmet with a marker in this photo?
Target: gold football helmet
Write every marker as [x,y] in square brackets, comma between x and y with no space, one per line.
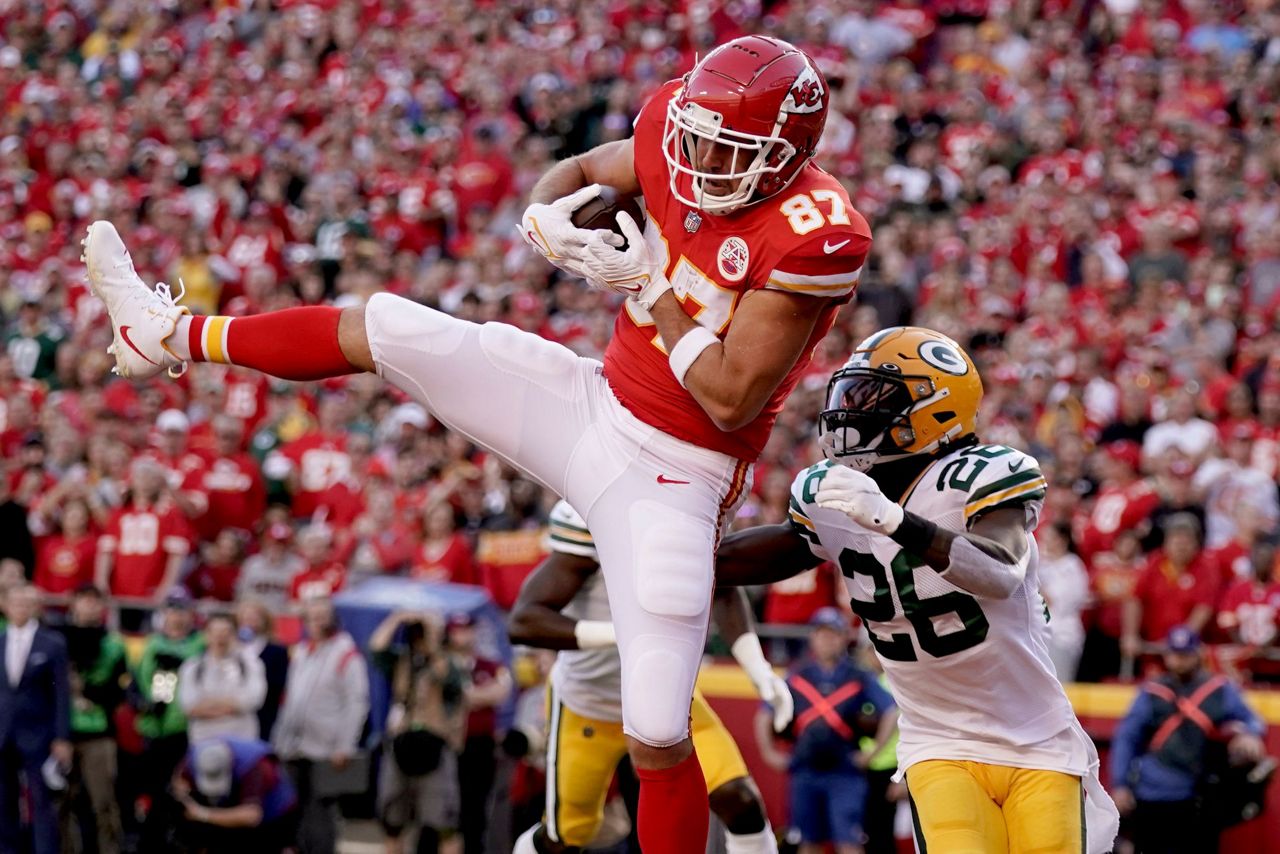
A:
[905,390]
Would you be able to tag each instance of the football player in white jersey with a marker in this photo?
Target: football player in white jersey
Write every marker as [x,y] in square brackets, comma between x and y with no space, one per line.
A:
[932,530]
[563,605]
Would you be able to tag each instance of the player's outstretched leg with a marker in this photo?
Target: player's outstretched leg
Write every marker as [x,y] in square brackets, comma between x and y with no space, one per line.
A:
[153,333]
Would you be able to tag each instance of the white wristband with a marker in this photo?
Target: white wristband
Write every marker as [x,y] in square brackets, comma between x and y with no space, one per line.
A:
[688,349]
[750,657]
[594,634]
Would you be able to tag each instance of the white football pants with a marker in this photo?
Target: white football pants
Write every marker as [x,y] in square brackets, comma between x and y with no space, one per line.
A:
[655,505]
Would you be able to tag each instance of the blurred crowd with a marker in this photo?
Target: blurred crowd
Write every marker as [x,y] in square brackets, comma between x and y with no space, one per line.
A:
[1085,193]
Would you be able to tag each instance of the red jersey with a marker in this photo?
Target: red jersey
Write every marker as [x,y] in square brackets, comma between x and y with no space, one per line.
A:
[1252,609]
[504,560]
[1112,580]
[1169,596]
[62,565]
[1232,562]
[795,600]
[185,473]
[237,496]
[214,581]
[321,462]
[142,540]
[449,561]
[388,550]
[1117,508]
[318,581]
[246,397]
[806,240]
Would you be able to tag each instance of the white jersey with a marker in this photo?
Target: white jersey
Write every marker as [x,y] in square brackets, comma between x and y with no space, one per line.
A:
[972,676]
[588,681]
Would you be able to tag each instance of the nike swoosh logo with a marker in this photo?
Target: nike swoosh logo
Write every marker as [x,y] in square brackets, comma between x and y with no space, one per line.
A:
[1013,469]
[665,479]
[828,248]
[124,333]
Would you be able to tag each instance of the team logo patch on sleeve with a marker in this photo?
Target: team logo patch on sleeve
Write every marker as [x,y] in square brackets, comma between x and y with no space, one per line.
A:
[732,259]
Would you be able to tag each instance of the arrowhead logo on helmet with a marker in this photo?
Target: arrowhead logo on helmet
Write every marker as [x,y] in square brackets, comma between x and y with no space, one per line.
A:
[806,93]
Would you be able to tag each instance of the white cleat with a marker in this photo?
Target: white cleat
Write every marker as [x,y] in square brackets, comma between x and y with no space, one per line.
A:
[141,317]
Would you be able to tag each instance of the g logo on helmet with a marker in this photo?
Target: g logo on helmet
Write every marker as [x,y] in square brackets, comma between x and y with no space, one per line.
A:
[944,357]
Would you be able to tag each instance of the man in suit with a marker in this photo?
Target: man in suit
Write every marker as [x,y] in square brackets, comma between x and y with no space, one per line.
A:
[35,720]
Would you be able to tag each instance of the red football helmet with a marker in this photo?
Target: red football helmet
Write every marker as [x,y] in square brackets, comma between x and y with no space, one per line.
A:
[761,98]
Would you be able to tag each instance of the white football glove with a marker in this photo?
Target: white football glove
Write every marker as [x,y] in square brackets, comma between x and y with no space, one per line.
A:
[636,272]
[771,687]
[775,692]
[859,497]
[550,230]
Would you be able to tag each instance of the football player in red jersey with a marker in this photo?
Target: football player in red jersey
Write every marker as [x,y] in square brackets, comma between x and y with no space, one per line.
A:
[748,251]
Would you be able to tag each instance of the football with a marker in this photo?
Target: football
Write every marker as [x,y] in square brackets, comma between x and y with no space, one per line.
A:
[601,212]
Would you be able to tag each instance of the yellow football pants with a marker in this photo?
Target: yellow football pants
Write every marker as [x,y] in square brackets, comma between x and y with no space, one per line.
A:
[583,753]
[961,807]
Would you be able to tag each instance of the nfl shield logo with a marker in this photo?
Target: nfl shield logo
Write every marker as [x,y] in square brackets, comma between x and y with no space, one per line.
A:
[692,221]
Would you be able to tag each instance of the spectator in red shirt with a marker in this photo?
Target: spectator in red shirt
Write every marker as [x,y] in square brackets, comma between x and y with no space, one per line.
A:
[237,495]
[184,468]
[1178,587]
[142,549]
[65,558]
[444,554]
[317,461]
[1233,558]
[482,175]
[1113,576]
[323,575]
[794,601]
[1250,614]
[377,543]
[218,574]
[1123,503]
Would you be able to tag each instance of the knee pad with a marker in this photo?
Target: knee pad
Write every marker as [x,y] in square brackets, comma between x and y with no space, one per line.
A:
[393,320]
[658,718]
[673,560]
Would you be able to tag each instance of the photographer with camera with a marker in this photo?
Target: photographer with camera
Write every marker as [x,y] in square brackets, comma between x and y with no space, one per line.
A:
[425,732]
[235,798]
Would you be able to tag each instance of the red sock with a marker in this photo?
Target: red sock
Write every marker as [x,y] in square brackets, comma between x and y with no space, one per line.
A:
[297,344]
[674,814]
